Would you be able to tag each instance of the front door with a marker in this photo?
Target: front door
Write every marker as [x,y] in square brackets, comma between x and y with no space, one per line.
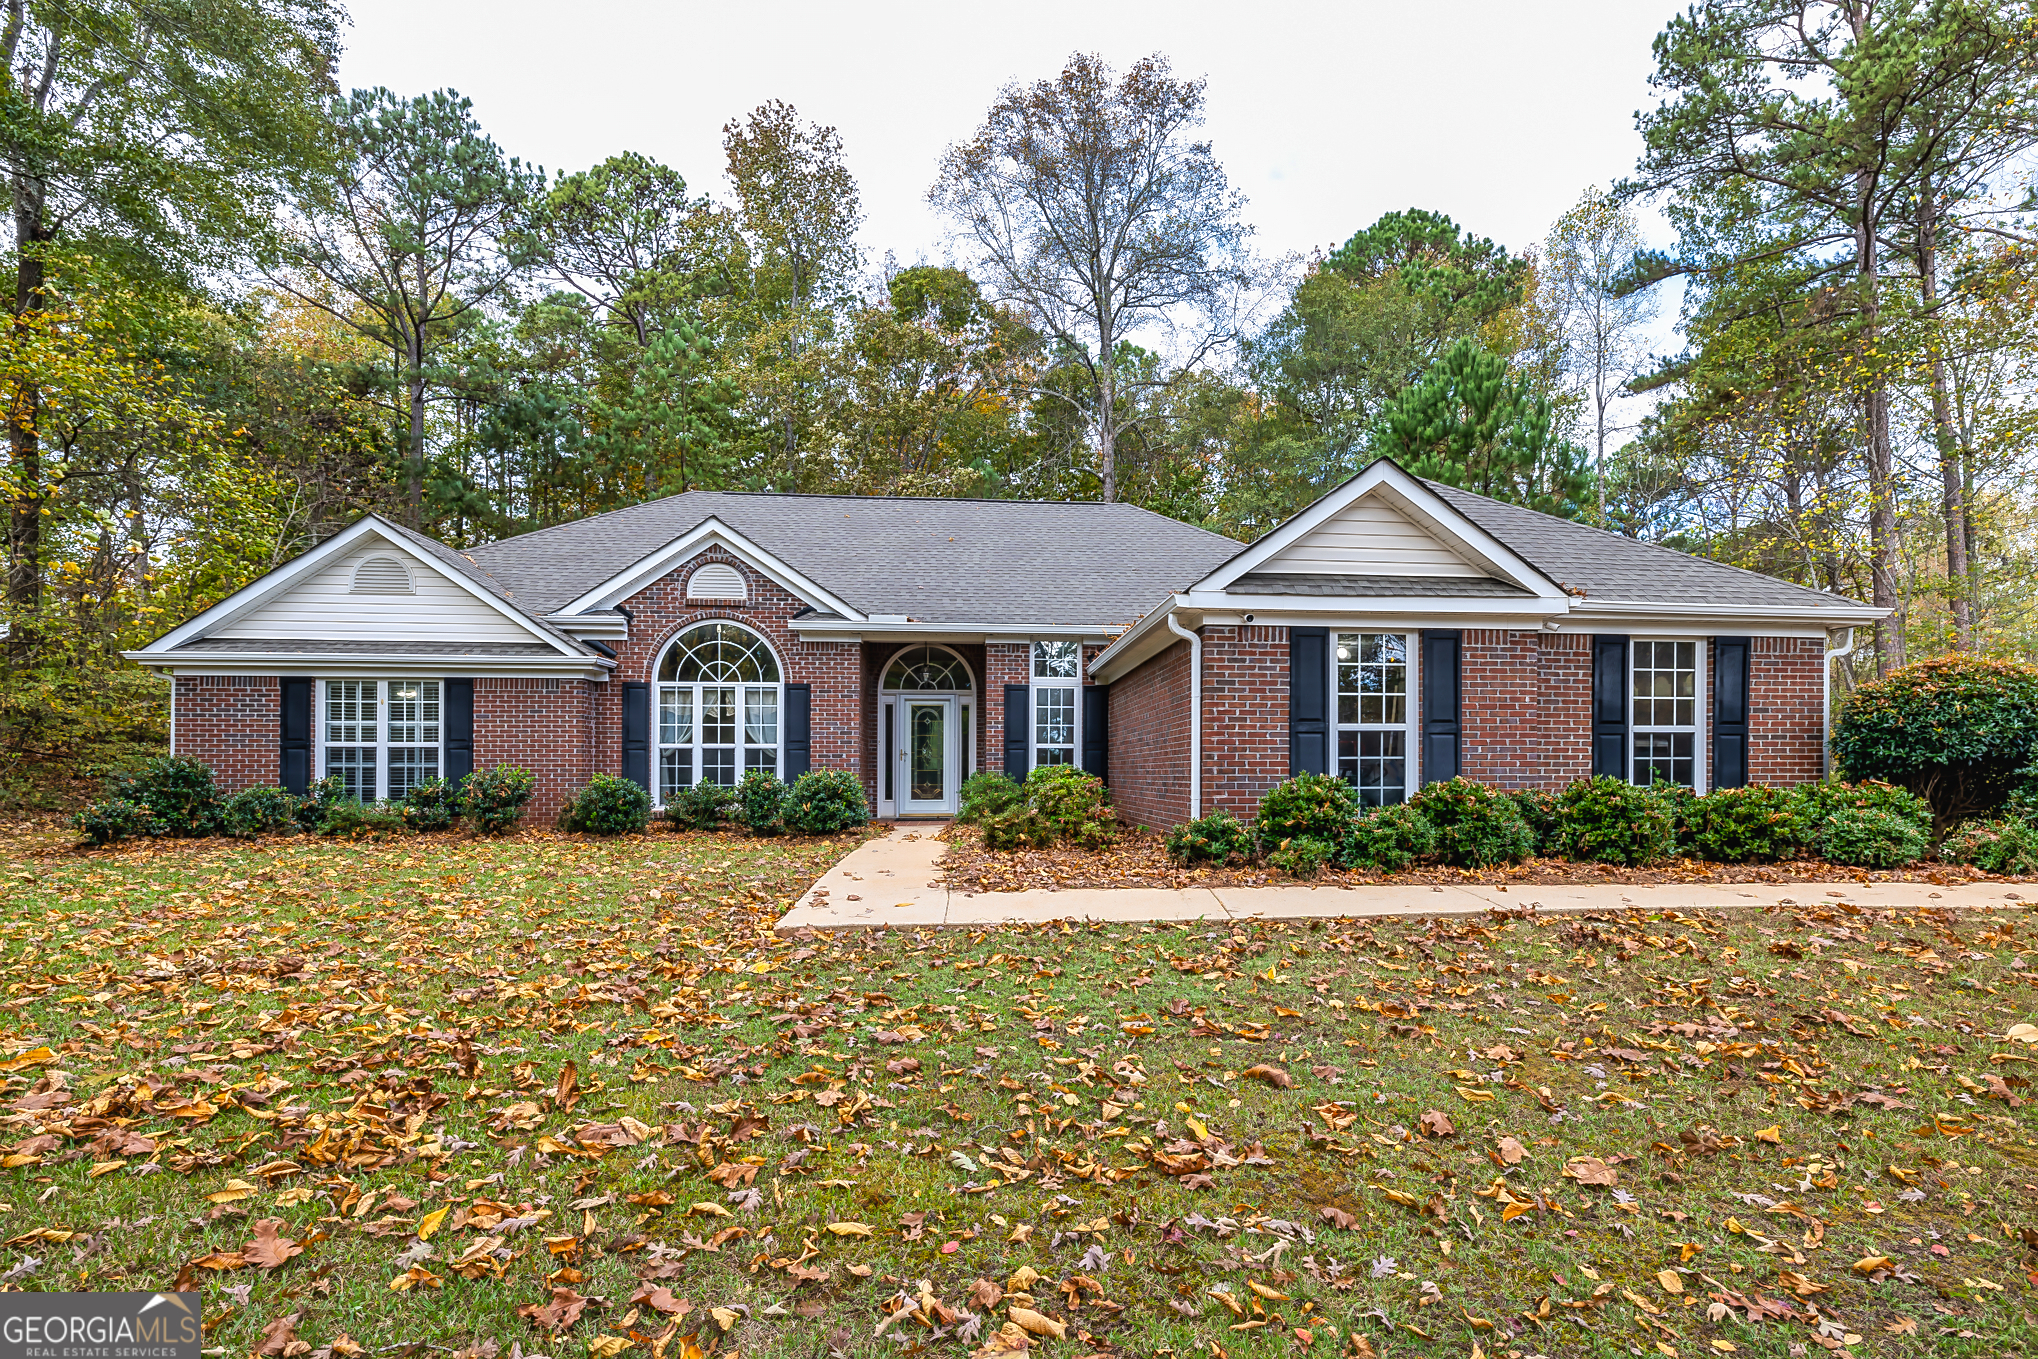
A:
[929,745]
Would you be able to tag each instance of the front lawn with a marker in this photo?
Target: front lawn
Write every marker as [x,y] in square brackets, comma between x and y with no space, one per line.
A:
[576,1097]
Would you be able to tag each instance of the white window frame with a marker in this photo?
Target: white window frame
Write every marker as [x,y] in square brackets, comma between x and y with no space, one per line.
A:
[1410,726]
[1038,684]
[748,754]
[1700,744]
[382,744]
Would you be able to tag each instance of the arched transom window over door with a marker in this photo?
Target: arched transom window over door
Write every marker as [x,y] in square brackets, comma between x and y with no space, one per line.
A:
[928,670]
[718,703]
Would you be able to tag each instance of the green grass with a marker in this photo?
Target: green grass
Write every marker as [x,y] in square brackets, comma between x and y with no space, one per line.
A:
[355,1041]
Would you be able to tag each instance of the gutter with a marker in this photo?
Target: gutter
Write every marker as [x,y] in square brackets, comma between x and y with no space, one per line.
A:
[1826,706]
[1195,641]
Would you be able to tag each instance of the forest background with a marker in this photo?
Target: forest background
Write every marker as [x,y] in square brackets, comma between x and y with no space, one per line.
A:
[250,306]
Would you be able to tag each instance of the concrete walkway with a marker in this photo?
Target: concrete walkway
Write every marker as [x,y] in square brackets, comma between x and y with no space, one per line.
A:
[889,881]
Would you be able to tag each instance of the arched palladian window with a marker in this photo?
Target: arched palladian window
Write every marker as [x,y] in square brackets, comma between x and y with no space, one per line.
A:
[718,706]
[928,669]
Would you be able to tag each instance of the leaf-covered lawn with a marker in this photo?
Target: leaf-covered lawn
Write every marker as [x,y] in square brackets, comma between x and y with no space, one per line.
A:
[577,1098]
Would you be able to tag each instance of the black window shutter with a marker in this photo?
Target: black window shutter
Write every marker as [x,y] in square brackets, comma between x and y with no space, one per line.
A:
[1308,701]
[1096,730]
[1610,705]
[1730,712]
[459,717]
[1440,705]
[798,757]
[1018,730]
[637,733]
[293,765]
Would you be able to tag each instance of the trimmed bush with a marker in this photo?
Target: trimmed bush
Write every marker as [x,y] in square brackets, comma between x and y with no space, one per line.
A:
[2008,845]
[1539,808]
[179,792]
[1019,827]
[494,799]
[760,802]
[1303,856]
[987,793]
[1072,805]
[318,800]
[1388,839]
[823,801]
[352,820]
[1745,825]
[700,807]
[260,811]
[1476,826]
[429,805]
[1214,839]
[1677,800]
[114,819]
[1603,820]
[1817,803]
[1317,805]
[1959,731]
[609,805]
[1870,837]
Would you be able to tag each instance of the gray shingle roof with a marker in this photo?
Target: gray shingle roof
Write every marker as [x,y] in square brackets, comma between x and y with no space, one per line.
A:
[1014,562]
[1363,587]
[1609,567]
[463,564]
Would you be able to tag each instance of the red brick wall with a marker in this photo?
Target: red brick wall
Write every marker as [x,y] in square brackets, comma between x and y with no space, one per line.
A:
[1786,693]
[1499,707]
[1564,705]
[1245,715]
[542,725]
[234,724]
[1149,740]
[1004,663]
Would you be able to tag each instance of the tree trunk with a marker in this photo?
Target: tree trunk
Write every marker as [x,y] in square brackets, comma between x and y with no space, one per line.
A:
[415,381]
[1882,535]
[1107,416]
[1952,497]
[24,442]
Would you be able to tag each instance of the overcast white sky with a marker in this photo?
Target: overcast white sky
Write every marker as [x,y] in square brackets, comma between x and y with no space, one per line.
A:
[1326,115]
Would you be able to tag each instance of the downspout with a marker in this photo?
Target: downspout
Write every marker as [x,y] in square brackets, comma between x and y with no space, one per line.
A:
[1195,641]
[1826,707]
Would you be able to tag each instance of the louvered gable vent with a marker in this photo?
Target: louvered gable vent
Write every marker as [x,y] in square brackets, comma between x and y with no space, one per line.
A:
[382,576]
[717,580]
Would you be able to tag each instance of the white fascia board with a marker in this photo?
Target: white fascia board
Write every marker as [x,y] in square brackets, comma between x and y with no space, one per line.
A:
[600,628]
[1719,617]
[386,667]
[1412,498]
[252,596]
[710,530]
[843,629]
[1308,606]
[1145,638]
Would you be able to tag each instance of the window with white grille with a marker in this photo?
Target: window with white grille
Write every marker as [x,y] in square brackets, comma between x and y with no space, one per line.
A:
[380,738]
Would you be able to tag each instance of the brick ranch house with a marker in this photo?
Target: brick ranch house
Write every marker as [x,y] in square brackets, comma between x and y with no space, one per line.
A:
[1396,632]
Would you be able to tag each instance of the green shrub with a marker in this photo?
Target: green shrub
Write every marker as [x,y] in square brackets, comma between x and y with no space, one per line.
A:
[760,802]
[352,820]
[1959,731]
[429,805]
[1476,826]
[1677,800]
[259,811]
[2008,845]
[1303,856]
[115,818]
[318,800]
[609,805]
[1217,838]
[1072,805]
[1745,825]
[1318,805]
[700,807]
[987,793]
[1538,807]
[1603,820]
[1388,839]
[494,799]
[1817,803]
[823,801]
[1870,837]
[1019,827]
[179,792]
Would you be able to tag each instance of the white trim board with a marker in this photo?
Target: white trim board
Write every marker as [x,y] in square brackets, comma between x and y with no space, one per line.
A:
[709,532]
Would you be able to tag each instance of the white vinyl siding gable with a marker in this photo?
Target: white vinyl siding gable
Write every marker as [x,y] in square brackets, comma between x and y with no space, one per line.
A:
[1370,537]
[326,607]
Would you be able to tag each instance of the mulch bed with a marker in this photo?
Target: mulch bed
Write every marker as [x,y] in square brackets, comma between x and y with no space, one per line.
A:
[1141,860]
